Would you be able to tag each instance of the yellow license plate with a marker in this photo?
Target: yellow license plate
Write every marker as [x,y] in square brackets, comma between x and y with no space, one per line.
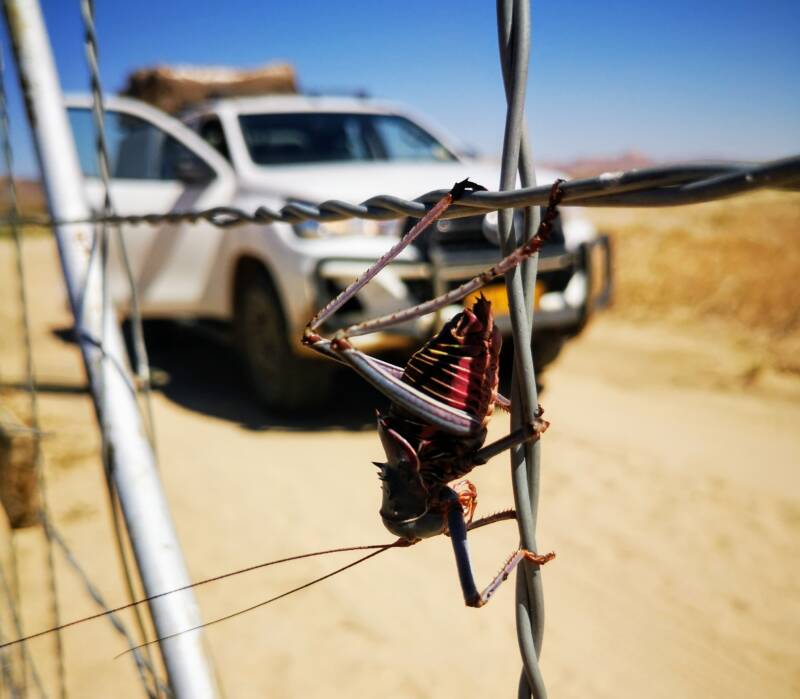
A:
[496,294]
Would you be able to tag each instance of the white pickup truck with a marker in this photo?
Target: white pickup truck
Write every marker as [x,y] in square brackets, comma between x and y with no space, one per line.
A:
[266,281]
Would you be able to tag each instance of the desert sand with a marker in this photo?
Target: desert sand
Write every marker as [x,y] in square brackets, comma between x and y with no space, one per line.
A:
[670,494]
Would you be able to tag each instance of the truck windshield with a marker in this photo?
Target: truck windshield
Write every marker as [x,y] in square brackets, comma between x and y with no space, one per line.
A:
[294,138]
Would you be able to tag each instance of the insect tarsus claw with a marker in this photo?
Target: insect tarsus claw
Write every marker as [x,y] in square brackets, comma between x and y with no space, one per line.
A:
[540,558]
[556,193]
[538,426]
[465,185]
[475,601]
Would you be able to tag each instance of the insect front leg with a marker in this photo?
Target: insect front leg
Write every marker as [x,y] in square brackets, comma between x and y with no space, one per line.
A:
[527,433]
[436,211]
[522,253]
[457,528]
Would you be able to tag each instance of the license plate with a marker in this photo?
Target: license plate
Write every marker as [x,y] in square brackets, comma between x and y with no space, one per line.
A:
[496,294]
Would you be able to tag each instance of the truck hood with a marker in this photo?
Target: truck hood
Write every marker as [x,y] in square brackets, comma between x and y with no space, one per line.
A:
[356,182]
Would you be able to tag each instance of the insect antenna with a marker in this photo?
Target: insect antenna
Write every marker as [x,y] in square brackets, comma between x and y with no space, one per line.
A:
[395,544]
[484,521]
[380,548]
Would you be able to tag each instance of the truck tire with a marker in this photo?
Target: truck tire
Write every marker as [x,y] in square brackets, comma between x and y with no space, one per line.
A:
[282,381]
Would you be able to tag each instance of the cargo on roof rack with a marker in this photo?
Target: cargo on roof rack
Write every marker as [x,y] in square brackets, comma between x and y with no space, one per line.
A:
[172,89]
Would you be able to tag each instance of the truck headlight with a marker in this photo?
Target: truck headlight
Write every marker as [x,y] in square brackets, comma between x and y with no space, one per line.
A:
[491,226]
[353,226]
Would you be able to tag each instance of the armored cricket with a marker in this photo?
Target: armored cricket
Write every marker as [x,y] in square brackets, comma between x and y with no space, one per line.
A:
[434,431]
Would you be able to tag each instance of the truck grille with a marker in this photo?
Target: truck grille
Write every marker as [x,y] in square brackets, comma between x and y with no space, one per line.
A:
[466,234]
[462,240]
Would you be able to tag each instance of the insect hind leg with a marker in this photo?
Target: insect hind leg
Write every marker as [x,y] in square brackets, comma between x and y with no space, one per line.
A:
[388,381]
[516,558]
[435,212]
[458,535]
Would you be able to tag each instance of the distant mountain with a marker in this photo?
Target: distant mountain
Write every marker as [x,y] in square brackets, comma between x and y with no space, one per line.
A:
[588,167]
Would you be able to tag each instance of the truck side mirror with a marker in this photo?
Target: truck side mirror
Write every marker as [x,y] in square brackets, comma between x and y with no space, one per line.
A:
[191,170]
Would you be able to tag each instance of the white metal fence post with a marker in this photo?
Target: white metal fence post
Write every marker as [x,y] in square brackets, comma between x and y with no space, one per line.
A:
[152,532]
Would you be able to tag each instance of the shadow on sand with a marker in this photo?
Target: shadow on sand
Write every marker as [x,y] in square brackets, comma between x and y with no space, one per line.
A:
[202,372]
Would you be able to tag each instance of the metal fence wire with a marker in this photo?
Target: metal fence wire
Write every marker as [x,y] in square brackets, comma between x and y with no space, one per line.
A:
[129,458]
[668,185]
[152,684]
[672,185]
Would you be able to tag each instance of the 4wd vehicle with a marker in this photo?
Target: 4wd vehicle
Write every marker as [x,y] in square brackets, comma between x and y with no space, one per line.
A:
[267,281]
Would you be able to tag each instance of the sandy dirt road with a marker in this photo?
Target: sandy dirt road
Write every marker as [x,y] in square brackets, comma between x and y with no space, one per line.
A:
[670,493]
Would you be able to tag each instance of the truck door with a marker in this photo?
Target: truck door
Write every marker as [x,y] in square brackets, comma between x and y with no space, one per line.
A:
[157,166]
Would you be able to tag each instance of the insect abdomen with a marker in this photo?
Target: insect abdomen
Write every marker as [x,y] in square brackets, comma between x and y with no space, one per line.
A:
[459,366]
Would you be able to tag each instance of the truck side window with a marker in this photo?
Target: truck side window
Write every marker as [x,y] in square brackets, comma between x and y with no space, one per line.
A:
[136,149]
[211,132]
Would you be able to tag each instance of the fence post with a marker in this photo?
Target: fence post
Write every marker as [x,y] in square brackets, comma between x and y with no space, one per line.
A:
[150,527]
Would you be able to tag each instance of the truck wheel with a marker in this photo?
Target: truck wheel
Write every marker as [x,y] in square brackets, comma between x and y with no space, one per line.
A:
[282,381]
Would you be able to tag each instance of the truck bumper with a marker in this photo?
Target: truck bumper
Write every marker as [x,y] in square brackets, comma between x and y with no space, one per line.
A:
[404,284]
[561,305]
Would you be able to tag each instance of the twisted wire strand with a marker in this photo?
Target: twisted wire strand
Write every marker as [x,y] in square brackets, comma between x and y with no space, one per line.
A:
[668,185]
[513,25]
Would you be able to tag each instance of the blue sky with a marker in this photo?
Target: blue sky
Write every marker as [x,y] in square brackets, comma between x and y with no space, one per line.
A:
[675,80]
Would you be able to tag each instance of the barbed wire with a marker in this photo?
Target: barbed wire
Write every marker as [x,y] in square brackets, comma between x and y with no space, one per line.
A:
[668,185]
[144,665]
[513,33]
[513,25]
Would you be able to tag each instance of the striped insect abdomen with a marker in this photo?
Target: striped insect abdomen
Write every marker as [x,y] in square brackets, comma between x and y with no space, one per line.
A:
[458,367]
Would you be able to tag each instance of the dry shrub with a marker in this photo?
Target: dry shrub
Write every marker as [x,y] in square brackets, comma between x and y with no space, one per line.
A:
[19,492]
